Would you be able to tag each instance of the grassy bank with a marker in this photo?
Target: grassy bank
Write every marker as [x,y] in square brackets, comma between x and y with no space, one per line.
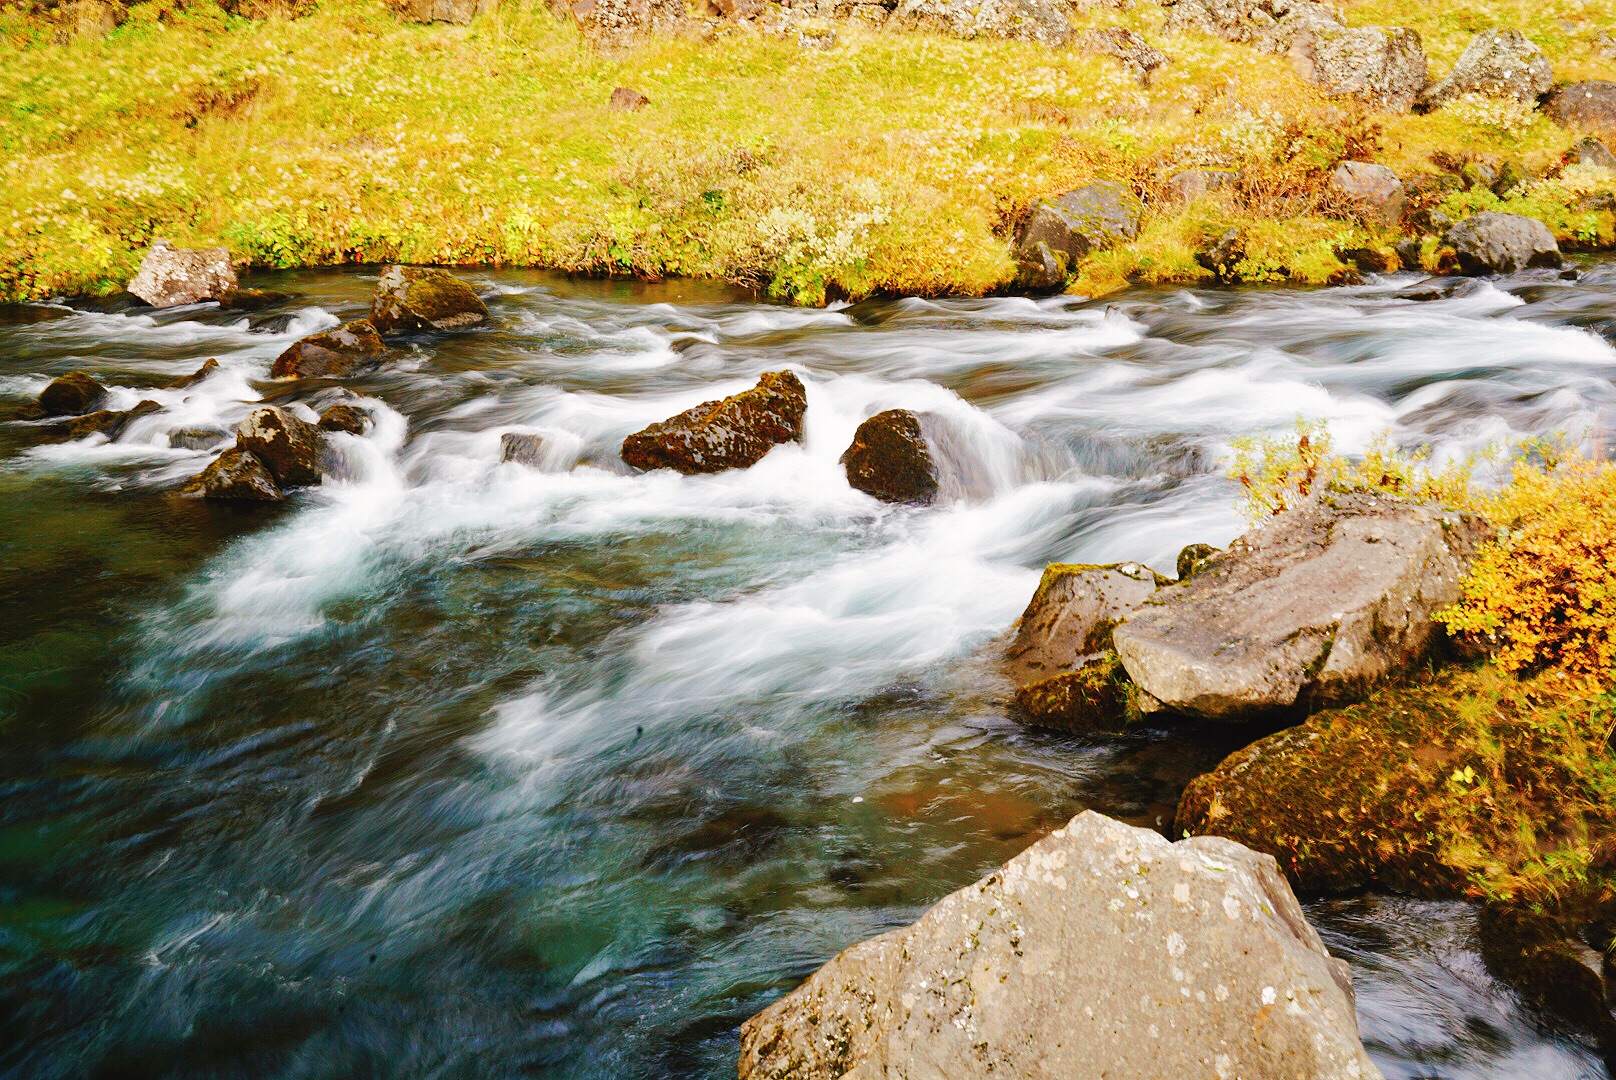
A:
[890,161]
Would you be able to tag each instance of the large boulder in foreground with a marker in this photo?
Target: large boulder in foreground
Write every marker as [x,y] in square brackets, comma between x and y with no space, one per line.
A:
[1586,106]
[733,433]
[171,276]
[289,447]
[1496,64]
[1315,607]
[1494,243]
[337,352]
[890,460]
[1042,21]
[1062,231]
[235,476]
[1380,67]
[1061,660]
[1102,950]
[417,298]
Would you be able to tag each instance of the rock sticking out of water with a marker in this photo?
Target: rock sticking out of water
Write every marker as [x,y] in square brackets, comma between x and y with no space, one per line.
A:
[71,395]
[338,352]
[889,459]
[413,298]
[345,418]
[289,447]
[1494,243]
[522,447]
[733,433]
[236,475]
[186,381]
[1317,606]
[172,277]
[1102,950]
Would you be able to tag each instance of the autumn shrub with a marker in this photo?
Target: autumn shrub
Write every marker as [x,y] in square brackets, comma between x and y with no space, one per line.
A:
[1539,597]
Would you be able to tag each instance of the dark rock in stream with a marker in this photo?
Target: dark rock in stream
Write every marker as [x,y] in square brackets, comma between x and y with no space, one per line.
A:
[733,433]
[346,418]
[890,460]
[1101,950]
[338,352]
[197,438]
[71,395]
[1317,606]
[290,448]
[251,299]
[186,381]
[1061,232]
[106,422]
[414,298]
[236,475]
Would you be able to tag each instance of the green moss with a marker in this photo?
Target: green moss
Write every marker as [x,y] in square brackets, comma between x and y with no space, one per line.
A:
[1466,782]
[1097,697]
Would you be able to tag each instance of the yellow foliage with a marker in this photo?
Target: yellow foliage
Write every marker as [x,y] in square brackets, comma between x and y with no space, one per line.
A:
[1543,595]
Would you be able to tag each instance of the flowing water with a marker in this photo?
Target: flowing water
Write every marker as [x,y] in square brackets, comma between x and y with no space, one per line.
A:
[454,768]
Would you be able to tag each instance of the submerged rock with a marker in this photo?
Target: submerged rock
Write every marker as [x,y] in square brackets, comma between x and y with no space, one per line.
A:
[338,352]
[523,448]
[1494,243]
[236,475]
[1316,606]
[415,298]
[197,438]
[172,277]
[1102,950]
[289,447]
[1498,64]
[733,433]
[251,299]
[889,459]
[1090,218]
[71,394]
[1586,106]
[346,418]
[1383,68]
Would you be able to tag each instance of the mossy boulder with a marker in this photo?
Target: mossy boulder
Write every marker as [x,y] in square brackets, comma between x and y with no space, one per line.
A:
[1192,559]
[345,418]
[1495,243]
[236,475]
[890,460]
[1061,661]
[1586,106]
[1061,232]
[1463,783]
[732,433]
[414,298]
[71,395]
[291,448]
[1499,64]
[338,352]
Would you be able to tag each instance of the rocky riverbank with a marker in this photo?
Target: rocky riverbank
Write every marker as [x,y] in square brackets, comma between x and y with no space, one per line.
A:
[1026,146]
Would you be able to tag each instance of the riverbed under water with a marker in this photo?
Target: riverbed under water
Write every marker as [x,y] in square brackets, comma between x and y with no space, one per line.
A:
[453,768]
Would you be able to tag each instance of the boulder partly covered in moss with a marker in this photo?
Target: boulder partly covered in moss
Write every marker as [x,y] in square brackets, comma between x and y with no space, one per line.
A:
[1464,783]
[235,476]
[1314,607]
[1384,68]
[732,433]
[1061,661]
[1063,231]
[72,394]
[338,352]
[1103,950]
[890,460]
[416,298]
[291,448]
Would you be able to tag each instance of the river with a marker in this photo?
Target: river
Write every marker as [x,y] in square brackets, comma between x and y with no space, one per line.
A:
[453,768]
